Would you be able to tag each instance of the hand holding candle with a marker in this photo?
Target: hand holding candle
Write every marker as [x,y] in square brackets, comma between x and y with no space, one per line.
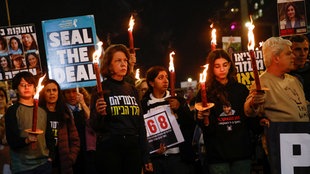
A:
[33,132]
[204,105]
[35,107]
[251,45]
[96,57]
[172,74]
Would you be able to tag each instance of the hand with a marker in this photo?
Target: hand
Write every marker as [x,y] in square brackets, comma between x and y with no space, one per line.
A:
[31,138]
[174,103]
[258,99]
[80,98]
[132,59]
[162,148]
[264,122]
[101,106]
[148,167]
[202,114]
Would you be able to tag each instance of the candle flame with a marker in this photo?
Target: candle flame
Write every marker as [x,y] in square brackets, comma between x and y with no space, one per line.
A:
[39,87]
[213,36]
[97,53]
[137,76]
[251,43]
[203,75]
[131,23]
[171,65]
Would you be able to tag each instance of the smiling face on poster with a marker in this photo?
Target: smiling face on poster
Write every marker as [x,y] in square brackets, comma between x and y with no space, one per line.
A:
[292,17]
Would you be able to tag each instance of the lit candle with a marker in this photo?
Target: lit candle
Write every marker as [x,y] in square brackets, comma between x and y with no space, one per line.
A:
[202,80]
[172,74]
[35,107]
[251,45]
[96,56]
[130,29]
[213,38]
[137,76]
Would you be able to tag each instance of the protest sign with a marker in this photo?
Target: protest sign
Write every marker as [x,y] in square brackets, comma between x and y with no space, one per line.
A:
[245,73]
[19,51]
[162,127]
[69,44]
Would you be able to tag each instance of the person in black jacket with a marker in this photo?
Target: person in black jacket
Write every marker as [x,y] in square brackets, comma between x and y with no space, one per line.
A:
[117,118]
[227,137]
[177,159]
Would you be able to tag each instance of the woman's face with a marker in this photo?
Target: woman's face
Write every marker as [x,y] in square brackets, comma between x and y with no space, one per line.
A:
[4,62]
[221,69]
[14,44]
[51,93]
[290,12]
[161,82]
[32,61]
[119,65]
[27,40]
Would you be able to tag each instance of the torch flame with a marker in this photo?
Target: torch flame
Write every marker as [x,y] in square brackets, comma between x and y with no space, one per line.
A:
[213,35]
[131,23]
[137,76]
[97,53]
[171,65]
[251,43]
[39,87]
[203,75]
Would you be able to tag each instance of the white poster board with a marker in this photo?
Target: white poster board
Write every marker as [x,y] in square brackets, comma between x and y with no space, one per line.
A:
[162,127]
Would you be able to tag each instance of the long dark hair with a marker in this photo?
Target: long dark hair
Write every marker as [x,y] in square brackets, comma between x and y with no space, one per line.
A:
[61,108]
[214,87]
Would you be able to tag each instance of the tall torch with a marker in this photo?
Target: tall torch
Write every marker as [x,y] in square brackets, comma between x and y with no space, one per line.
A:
[34,129]
[251,45]
[172,74]
[213,38]
[204,105]
[96,56]
[130,29]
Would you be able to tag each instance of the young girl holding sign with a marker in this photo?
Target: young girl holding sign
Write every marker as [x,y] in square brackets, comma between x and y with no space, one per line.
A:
[177,159]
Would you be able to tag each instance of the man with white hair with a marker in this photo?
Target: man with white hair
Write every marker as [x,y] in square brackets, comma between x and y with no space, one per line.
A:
[284,100]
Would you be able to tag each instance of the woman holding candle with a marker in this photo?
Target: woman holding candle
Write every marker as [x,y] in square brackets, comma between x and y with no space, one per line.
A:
[227,140]
[177,159]
[117,118]
[19,117]
[66,144]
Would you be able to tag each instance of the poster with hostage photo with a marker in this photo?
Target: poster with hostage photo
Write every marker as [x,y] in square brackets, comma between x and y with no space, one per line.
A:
[292,18]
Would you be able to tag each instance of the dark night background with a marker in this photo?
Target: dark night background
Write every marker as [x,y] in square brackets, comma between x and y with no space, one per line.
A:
[161,26]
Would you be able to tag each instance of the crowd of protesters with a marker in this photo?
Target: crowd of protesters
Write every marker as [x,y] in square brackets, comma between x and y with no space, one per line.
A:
[88,131]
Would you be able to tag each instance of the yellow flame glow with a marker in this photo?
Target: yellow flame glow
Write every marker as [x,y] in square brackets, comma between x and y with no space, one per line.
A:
[251,43]
[131,23]
[97,53]
[137,76]
[213,36]
[39,87]
[171,65]
[203,75]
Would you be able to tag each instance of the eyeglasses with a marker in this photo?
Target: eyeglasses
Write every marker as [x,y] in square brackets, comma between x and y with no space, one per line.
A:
[24,85]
